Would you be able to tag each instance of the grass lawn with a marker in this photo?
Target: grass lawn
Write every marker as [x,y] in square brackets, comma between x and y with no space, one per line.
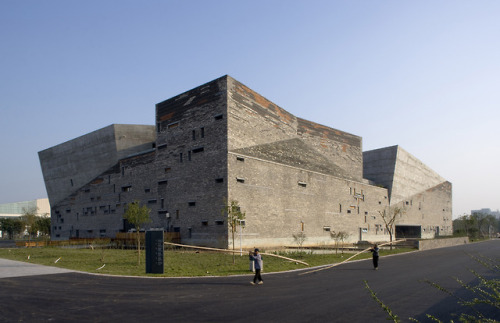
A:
[177,262]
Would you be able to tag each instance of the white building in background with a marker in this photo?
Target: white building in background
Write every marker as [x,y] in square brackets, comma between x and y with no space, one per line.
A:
[17,209]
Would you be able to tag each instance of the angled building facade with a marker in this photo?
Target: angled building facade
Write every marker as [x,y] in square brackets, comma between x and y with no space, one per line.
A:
[223,141]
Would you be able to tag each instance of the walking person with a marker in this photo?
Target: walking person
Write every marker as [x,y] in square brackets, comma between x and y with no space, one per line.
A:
[374,251]
[257,260]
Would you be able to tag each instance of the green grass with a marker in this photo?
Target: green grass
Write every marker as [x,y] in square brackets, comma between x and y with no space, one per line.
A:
[177,262]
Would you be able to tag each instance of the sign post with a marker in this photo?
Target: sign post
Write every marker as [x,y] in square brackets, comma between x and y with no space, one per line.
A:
[154,252]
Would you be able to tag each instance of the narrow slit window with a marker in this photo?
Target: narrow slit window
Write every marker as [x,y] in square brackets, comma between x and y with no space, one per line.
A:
[202,132]
[219,180]
[198,150]
[239,158]
[302,184]
[240,180]
[219,117]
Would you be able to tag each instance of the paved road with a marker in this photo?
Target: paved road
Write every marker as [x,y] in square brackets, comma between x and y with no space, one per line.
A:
[333,295]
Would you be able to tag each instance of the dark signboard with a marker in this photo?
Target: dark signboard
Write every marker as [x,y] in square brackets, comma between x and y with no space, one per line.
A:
[154,252]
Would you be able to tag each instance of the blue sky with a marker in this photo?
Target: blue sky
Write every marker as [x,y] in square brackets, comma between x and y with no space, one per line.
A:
[424,75]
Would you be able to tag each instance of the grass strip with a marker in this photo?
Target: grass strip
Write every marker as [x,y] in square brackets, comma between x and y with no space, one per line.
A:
[177,262]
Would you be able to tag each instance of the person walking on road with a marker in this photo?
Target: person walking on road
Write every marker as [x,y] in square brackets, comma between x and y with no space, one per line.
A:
[257,259]
[374,251]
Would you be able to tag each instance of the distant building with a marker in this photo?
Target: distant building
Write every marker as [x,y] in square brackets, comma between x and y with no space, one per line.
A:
[223,141]
[487,212]
[17,209]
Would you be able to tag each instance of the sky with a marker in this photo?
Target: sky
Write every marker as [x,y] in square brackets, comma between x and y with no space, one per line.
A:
[424,75]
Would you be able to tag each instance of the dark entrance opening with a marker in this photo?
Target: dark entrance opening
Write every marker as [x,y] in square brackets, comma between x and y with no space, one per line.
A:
[408,231]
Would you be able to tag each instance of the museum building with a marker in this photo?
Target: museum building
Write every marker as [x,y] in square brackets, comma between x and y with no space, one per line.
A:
[223,142]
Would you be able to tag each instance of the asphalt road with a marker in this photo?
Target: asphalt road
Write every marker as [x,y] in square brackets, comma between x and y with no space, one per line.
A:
[332,295]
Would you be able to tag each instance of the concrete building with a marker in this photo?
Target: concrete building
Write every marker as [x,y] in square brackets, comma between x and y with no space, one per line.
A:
[223,141]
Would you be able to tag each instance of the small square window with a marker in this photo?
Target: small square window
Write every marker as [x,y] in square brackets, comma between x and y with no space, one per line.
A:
[126,188]
[204,223]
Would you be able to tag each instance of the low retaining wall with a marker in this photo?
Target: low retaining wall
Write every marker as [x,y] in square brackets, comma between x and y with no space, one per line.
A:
[439,243]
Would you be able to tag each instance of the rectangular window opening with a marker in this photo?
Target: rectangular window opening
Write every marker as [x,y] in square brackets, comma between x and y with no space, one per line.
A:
[202,134]
[219,116]
[239,158]
[192,203]
[198,150]
[328,229]
[219,180]
[126,188]
[204,223]
[240,180]
[302,184]
[219,222]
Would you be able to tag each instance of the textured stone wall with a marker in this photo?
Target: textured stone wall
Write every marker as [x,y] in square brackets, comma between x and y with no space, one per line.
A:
[184,177]
[255,121]
[281,200]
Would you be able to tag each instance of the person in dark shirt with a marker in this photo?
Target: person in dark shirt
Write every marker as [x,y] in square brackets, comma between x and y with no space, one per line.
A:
[374,251]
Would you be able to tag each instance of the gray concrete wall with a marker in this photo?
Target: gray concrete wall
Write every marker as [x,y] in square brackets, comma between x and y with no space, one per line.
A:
[70,165]
[431,209]
[440,243]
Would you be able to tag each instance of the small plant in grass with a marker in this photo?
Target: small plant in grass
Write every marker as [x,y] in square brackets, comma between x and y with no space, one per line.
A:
[299,239]
[101,245]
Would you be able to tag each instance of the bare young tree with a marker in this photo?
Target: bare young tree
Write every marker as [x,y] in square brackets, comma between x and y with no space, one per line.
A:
[340,236]
[234,217]
[137,216]
[389,217]
[299,238]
